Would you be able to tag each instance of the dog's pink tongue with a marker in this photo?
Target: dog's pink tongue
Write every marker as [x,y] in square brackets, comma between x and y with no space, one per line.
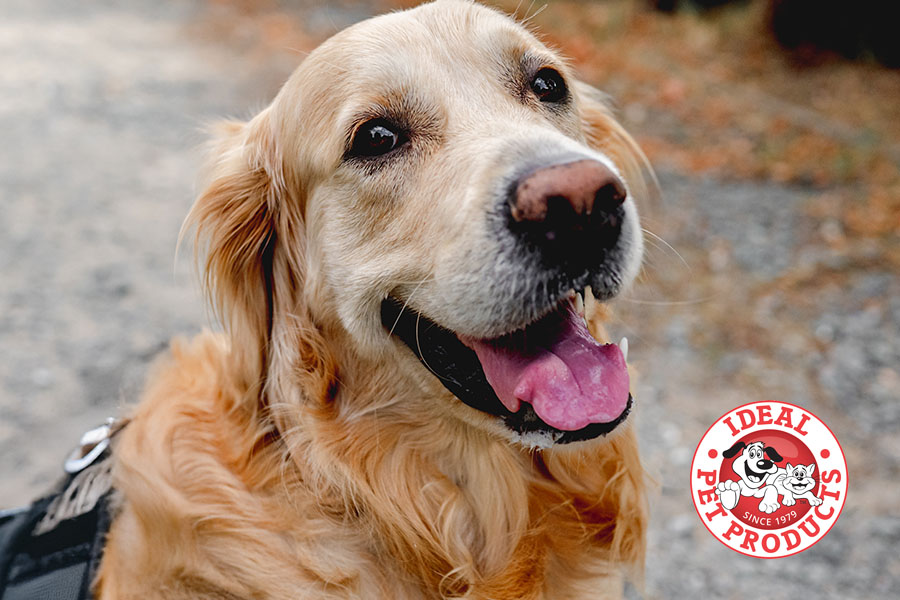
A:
[569,379]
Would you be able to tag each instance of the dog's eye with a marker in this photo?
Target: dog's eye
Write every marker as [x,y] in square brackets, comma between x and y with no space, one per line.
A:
[548,85]
[375,138]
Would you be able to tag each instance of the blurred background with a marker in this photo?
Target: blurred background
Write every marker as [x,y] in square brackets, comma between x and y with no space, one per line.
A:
[774,129]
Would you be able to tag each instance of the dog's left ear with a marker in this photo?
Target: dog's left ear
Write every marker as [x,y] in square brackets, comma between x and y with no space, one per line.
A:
[604,133]
[773,454]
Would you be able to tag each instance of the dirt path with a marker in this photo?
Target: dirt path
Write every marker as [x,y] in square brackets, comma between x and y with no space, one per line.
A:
[101,109]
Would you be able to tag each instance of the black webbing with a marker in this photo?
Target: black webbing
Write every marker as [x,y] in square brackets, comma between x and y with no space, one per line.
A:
[57,563]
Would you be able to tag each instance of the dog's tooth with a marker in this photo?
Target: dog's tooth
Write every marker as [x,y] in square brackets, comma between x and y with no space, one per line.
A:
[623,346]
[579,304]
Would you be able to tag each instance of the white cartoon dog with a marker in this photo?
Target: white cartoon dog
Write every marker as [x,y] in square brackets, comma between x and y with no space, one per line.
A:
[757,471]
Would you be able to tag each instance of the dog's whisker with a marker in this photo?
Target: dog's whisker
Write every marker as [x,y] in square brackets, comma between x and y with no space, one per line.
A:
[515,13]
[667,245]
[536,13]
[528,10]
[303,53]
[416,281]
[331,20]
[524,20]
[405,304]
[421,355]
[667,302]
[306,53]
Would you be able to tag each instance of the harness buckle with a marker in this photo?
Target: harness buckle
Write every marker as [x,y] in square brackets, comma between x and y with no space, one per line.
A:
[92,445]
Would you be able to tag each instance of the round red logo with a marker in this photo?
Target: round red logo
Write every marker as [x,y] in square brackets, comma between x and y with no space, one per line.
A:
[769,479]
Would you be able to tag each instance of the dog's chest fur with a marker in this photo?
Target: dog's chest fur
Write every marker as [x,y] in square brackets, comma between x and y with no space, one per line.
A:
[219,503]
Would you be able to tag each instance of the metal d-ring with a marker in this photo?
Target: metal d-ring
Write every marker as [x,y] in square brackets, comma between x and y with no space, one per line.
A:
[92,445]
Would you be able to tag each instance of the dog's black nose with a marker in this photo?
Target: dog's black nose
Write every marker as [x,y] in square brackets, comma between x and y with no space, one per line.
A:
[764,465]
[569,208]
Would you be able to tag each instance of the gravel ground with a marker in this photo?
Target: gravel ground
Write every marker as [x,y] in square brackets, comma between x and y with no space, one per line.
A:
[102,108]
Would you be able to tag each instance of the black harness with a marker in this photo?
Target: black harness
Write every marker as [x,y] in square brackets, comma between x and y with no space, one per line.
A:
[51,550]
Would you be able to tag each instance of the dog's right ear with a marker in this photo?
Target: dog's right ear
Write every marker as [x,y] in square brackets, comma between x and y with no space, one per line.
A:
[235,224]
[738,446]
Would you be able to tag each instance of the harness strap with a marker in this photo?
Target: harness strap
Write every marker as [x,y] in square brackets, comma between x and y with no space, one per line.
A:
[53,548]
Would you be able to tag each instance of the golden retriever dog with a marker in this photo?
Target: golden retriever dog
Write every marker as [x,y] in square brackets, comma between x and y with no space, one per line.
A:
[406,401]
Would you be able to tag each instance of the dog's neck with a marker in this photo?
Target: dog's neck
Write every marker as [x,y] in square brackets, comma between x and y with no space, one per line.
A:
[459,510]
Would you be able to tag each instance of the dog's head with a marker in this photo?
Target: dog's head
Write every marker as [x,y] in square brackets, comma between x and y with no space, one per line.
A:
[755,464]
[432,191]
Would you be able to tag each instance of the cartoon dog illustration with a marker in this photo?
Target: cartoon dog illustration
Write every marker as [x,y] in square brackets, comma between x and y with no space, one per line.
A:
[796,482]
[757,471]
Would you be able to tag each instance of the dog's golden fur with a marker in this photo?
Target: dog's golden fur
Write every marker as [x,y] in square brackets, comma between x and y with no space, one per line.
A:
[285,459]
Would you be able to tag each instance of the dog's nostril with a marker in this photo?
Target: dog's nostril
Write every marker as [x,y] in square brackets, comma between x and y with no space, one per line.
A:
[609,196]
[557,206]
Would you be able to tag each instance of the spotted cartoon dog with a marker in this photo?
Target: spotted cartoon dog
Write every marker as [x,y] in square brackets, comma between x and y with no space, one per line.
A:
[757,471]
